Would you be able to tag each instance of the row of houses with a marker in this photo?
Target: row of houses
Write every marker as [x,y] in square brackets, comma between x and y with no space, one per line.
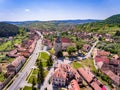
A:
[15,66]
[20,53]
[90,78]
[63,74]
[109,66]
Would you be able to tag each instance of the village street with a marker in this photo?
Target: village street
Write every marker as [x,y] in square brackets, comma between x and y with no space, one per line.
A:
[19,81]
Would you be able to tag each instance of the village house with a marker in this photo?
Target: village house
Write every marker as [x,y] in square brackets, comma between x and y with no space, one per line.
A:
[86,47]
[14,53]
[115,79]
[63,74]
[90,78]
[115,57]
[10,38]
[102,53]
[47,43]
[65,43]
[19,48]
[26,54]
[59,78]
[32,46]
[114,69]
[103,59]
[109,67]
[16,64]
[74,85]
[83,35]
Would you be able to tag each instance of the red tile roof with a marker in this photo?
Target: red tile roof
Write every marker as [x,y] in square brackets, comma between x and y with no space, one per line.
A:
[88,76]
[74,85]
[114,77]
[59,73]
[102,59]
[17,61]
[65,40]
[103,53]
[95,86]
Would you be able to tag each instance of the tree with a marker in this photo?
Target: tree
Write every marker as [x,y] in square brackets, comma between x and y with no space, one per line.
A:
[79,45]
[40,75]
[49,61]
[71,49]
[59,54]
[117,33]
[33,84]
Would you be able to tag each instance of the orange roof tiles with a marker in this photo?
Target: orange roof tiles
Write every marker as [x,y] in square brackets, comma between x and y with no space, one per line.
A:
[59,73]
[74,85]
[65,40]
[95,86]
[86,74]
[17,61]
[103,53]
[114,77]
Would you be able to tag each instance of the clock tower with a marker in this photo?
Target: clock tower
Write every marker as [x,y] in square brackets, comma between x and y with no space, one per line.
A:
[58,44]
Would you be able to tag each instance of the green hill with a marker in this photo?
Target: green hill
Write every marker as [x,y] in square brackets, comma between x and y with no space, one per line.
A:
[52,25]
[109,25]
[115,19]
[7,30]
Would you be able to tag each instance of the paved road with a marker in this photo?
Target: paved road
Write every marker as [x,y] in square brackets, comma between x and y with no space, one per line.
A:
[89,53]
[46,81]
[25,72]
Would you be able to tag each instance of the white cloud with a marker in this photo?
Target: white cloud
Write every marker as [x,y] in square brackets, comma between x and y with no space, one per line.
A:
[27,10]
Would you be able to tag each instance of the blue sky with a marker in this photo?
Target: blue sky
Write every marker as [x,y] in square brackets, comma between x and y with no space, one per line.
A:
[22,10]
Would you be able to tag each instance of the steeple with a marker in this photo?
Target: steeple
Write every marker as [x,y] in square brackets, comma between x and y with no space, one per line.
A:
[58,38]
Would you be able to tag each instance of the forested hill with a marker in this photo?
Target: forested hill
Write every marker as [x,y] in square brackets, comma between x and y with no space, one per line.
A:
[115,19]
[7,29]
[109,25]
[52,25]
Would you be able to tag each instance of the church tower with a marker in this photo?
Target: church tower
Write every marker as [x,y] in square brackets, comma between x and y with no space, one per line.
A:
[58,44]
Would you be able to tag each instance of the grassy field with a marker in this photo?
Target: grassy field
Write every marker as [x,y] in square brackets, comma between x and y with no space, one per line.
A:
[9,45]
[43,56]
[31,79]
[6,46]
[27,88]
[33,76]
[2,78]
[84,63]
[76,64]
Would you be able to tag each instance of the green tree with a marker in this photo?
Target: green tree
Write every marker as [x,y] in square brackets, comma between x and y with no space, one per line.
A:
[33,84]
[59,54]
[40,75]
[79,45]
[49,62]
[71,49]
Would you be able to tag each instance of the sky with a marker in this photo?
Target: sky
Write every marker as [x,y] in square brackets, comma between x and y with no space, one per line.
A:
[44,10]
